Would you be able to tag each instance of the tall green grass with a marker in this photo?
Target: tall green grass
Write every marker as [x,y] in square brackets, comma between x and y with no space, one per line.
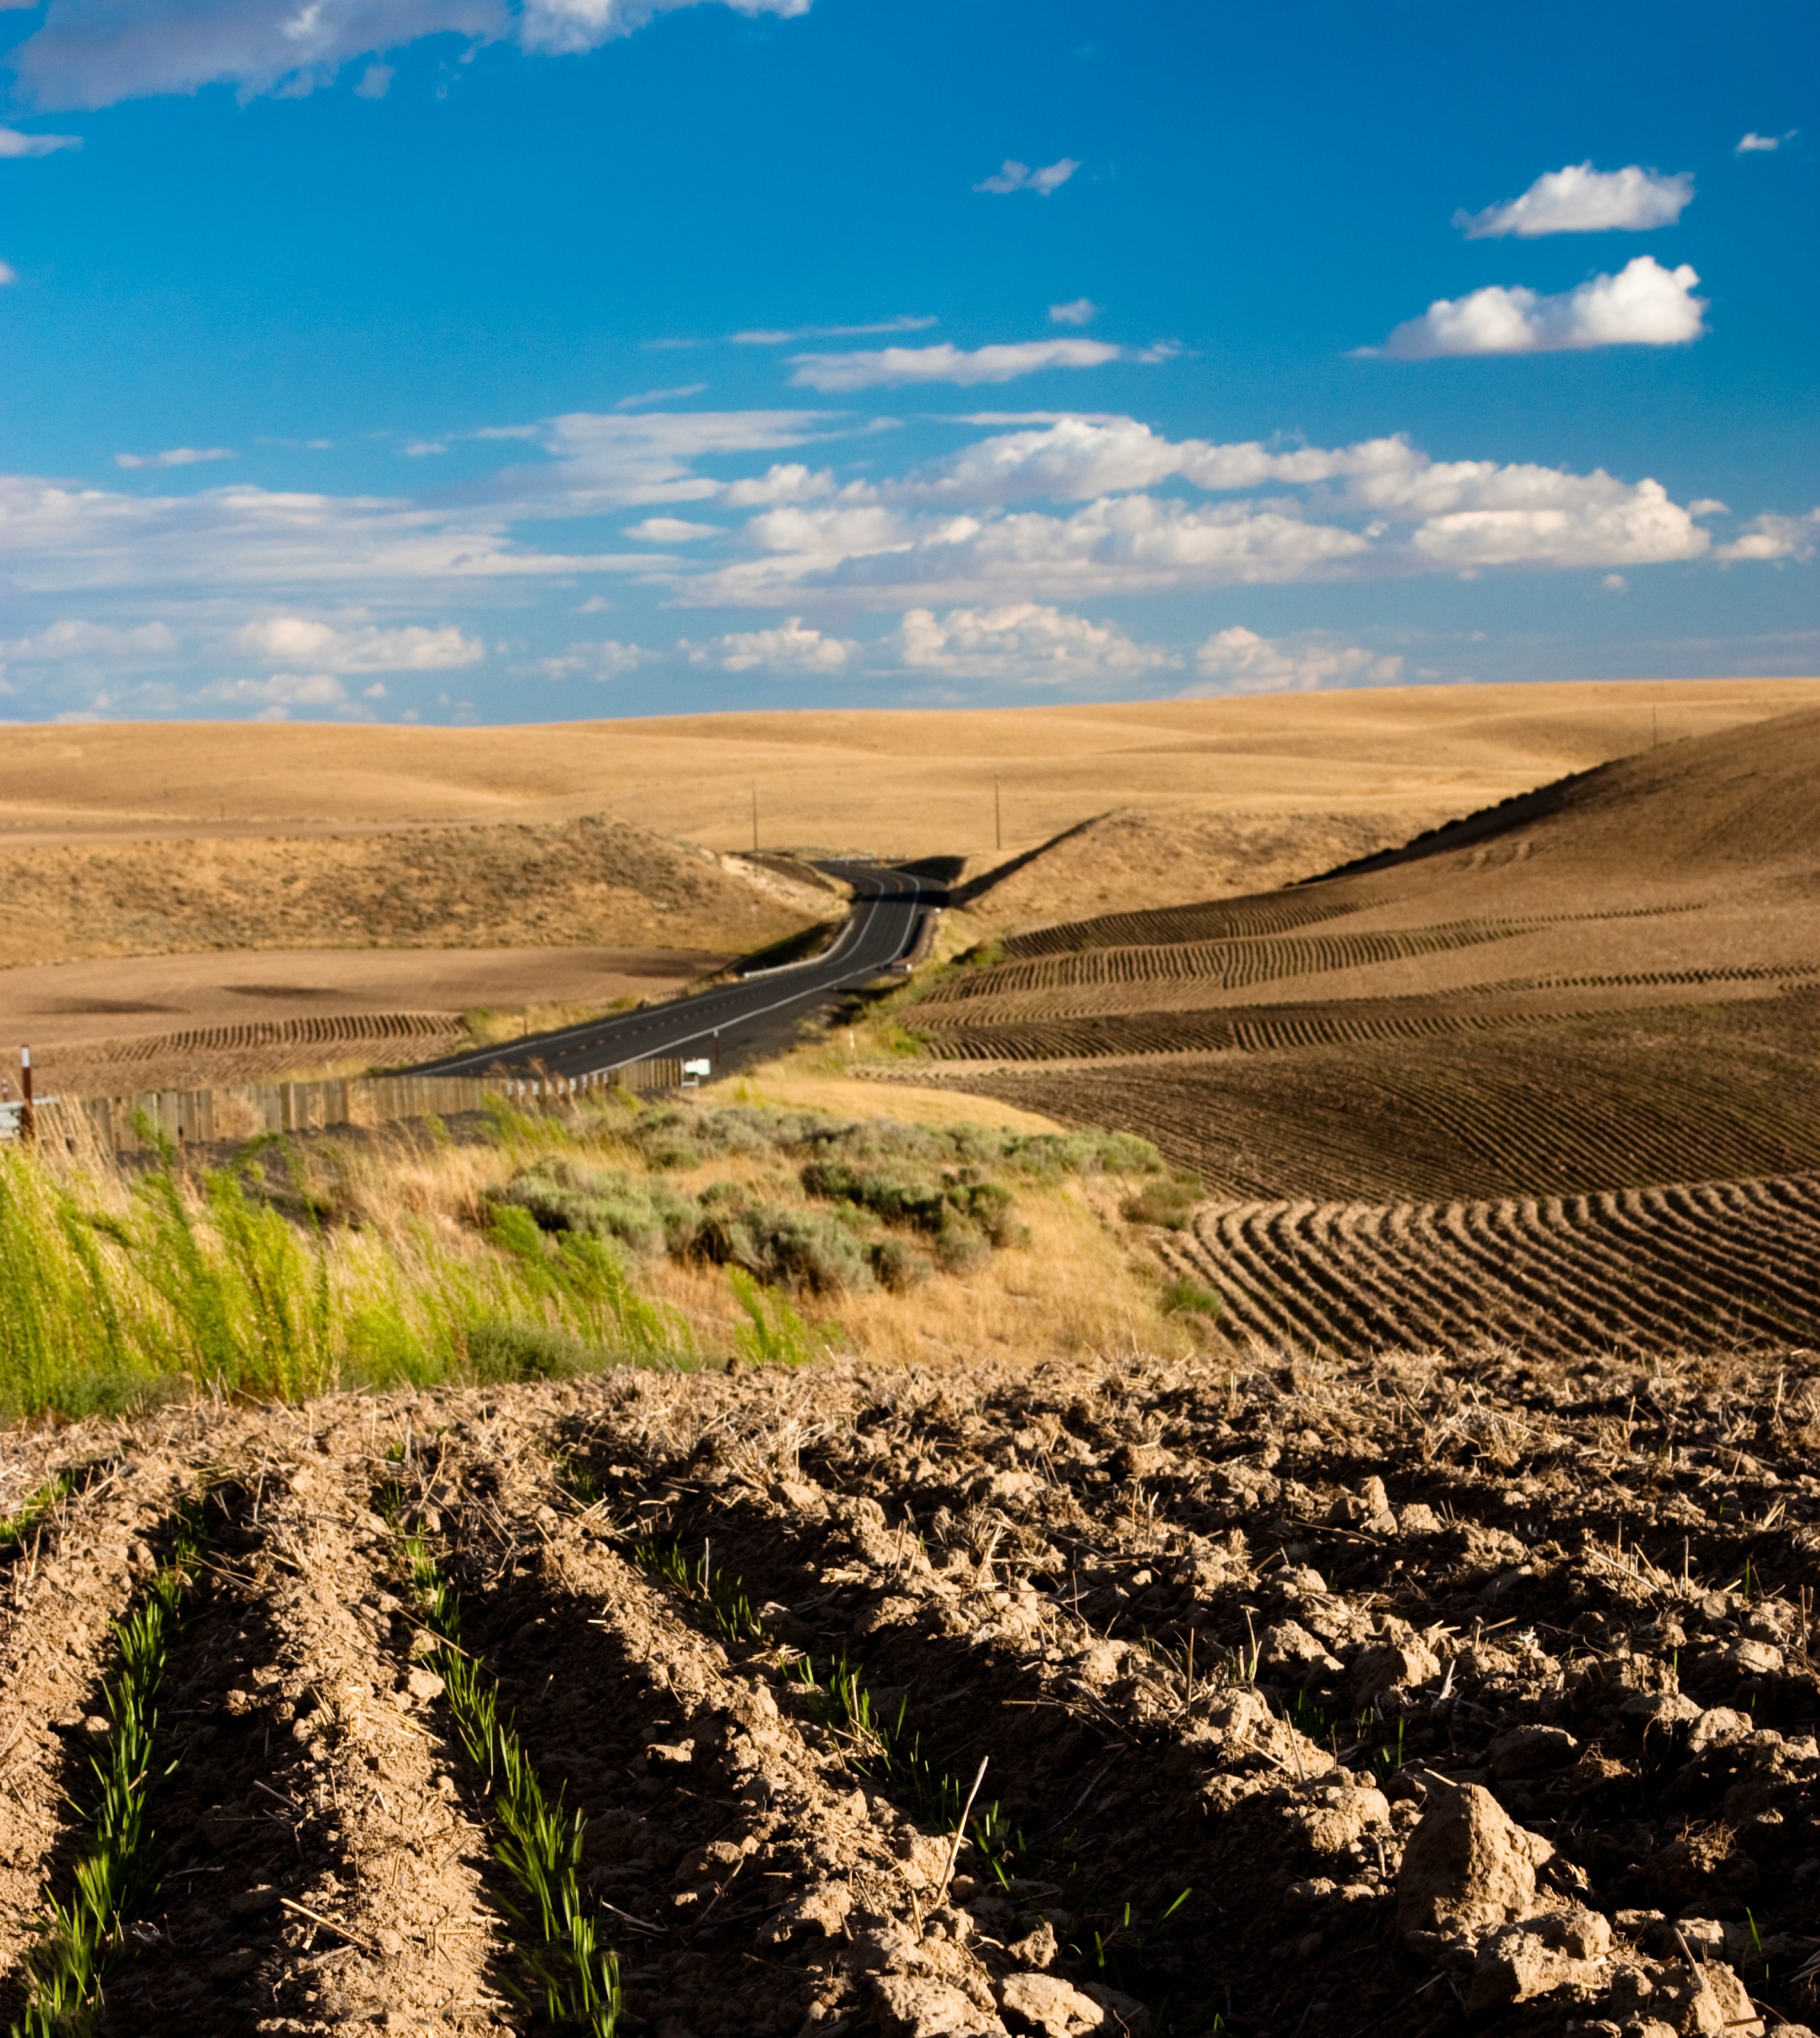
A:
[113,1294]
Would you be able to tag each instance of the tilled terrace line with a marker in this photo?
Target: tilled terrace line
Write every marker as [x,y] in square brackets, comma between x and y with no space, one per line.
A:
[1551,1275]
[1677,1804]
[753,1885]
[317,1869]
[77,1573]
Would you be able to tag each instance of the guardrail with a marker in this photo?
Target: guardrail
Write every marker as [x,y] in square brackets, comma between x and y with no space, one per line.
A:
[204,1117]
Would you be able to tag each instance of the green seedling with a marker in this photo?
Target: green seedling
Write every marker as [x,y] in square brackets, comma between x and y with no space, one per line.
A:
[725,1599]
[16,1528]
[556,1939]
[82,1935]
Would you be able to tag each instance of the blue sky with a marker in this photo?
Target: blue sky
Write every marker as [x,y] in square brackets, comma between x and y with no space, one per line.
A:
[535,359]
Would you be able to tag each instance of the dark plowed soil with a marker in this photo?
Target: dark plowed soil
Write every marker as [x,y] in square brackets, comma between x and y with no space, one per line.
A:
[1403,1697]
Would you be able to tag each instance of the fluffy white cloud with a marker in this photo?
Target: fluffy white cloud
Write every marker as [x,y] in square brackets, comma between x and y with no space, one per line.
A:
[75,638]
[1077,310]
[790,648]
[89,53]
[1022,640]
[1642,305]
[176,457]
[276,697]
[1577,199]
[8,275]
[376,82]
[297,640]
[792,482]
[895,366]
[1618,525]
[12,144]
[1751,144]
[1014,176]
[670,530]
[1240,661]
[606,660]
[1772,537]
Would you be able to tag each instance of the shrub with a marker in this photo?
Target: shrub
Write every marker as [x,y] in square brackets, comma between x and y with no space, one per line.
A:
[1169,1202]
[801,1248]
[1189,1298]
[897,1266]
[500,1351]
[650,1216]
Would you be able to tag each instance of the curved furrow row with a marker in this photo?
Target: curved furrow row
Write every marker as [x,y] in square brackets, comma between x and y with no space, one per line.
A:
[1650,1270]
[1726,1242]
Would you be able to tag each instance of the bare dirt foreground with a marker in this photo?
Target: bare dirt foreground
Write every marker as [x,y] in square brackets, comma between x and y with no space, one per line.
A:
[1394,1697]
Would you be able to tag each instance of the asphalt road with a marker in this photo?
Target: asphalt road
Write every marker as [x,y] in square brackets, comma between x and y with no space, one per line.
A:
[734,1021]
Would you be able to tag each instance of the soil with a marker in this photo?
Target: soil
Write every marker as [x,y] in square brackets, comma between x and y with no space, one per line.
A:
[189,1021]
[586,883]
[1450,1690]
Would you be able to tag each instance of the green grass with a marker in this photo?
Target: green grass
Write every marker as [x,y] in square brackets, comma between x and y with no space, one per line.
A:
[723,1598]
[16,1528]
[65,1969]
[114,1294]
[556,1938]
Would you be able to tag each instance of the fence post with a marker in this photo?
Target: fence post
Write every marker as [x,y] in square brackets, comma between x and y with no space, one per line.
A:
[28,1114]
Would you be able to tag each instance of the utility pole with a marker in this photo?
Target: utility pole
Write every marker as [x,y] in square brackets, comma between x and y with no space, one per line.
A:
[998,816]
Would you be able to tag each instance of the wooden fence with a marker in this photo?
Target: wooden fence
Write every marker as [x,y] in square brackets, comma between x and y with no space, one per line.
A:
[202,1117]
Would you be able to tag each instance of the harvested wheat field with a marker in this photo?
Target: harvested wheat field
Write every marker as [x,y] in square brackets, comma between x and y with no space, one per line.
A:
[191,1020]
[1278,1696]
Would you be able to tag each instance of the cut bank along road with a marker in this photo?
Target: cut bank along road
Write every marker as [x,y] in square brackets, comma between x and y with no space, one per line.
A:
[732,1019]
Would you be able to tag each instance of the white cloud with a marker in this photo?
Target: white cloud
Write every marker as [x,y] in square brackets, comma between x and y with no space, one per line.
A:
[1077,310]
[8,275]
[1752,143]
[892,366]
[1644,305]
[790,648]
[793,482]
[1615,584]
[1772,537]
[772,336]
[670,530]
[1577,199]
[1015,176]
[12,144]
[425,449]
[1617,524]
[1022,640]
[176,457]
[1240,661]
[91,53]
[661,396]
[75,638]
[606,660]
[296,640]
[277,696]
[376,82]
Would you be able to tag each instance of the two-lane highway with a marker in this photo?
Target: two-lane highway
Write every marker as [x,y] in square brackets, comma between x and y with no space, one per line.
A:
[721,1023]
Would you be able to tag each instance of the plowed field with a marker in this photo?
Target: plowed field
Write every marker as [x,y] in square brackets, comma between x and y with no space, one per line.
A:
[1233,1661]
[1545,1109]
[1706,1263]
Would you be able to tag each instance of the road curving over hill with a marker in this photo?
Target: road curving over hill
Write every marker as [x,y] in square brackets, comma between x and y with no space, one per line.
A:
[731,1021]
